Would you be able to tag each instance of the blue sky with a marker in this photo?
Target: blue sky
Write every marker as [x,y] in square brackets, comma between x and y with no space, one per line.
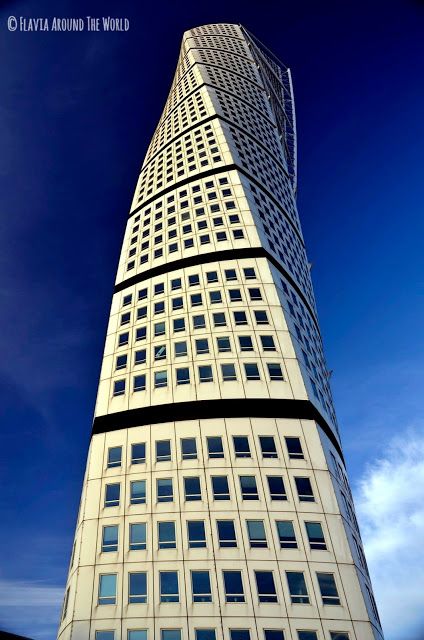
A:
[77,111]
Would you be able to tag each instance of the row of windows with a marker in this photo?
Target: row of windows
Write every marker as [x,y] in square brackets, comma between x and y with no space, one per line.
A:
[198,322]
[201,347]
[205,374]
[210,634]
[202,589]
[214,446]
[226,535]
[219,486]
[193,280]
[196,300]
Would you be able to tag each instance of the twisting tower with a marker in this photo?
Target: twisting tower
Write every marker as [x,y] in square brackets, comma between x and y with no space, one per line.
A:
[216,504]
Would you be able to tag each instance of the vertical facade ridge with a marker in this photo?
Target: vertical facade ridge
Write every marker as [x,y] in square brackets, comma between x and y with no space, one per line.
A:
[215,503]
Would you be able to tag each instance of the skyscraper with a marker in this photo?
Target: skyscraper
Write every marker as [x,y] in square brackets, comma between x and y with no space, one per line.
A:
[216,504]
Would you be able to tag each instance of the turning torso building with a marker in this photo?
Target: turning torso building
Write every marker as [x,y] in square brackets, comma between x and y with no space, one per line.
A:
[216,504]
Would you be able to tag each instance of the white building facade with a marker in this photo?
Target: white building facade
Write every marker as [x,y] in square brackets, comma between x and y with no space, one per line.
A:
[215,503]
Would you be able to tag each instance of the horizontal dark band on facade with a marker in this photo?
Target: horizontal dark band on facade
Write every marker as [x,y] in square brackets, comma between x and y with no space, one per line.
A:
[217,256]
[206,409]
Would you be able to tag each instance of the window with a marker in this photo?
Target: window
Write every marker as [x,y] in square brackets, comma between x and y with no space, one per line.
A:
[160,352]
[170,634]
[205,634]
[261,317]
[256,532]
[304,489]
[274,370]
[126,300]
[268,343]
[121,362]
[196,534]
[199,322]
[265,586]
[230,275]
[246,343]
[112,494]
[166,535]
[119,387]
[223,344]
[107,588]
[307,635]
[252,371]
[249,273]
[110,538]
[276,487]
[255,294]
[228,372]
[164,490]
[212,276]
[159,307]
[183,375]
[240,318]
[327,586]
[205,373]
[141,333]
[273,634]
[137,588]
[159,288]
[140,357]
[139,383]
[188,449]
[123,338]
[241,447]
[339,635]
[138,492]
[201,586]
[168,582]
[233,586]
[178,324]
[294,448]
[202,345]
[196,299]
[141,313]
[161,379]
[193,281]
[177,303]
[315,535]
[142,294]
[286,534]
[215,448]
[219,319]
[297,587]
[192,489]
[220,488]
[105,635]
[138,536]
[176,284]
[268,447]
[235,295]
[163,451]
[137,634]
[114,457]
[226,533]
[239,634]
[180,349]
[138,453]
[249,489]
[159,329]
[215,297]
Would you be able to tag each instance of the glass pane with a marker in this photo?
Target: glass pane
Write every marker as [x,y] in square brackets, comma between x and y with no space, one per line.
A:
[114,457]
[138,587]
[107,586]
[188,448]
[307,635]
[226,533]
[274,634]
[205,634]
[241,446]
[169,586]
[215,448]
[137,634]
[138,536]
[166,532]
[240,634]
[196,534]
[286,534]
[171,634]
[138,453]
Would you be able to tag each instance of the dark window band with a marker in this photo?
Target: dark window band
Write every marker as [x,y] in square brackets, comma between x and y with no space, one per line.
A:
[217,256]
[204,409]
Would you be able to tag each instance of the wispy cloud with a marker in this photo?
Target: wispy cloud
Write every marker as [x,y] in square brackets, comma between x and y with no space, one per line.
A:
[30,608]
[391,511]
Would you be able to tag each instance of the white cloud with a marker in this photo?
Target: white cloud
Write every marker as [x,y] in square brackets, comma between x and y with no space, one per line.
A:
[30,608]
[390,505]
